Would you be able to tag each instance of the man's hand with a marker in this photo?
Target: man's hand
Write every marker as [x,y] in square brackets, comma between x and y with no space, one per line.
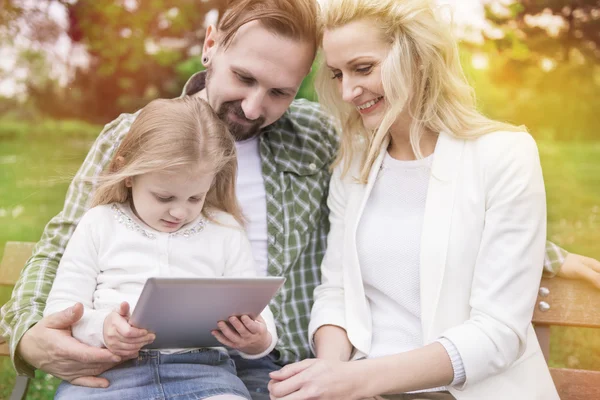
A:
[244,334]
[580,267]
[49,346]
[121,338]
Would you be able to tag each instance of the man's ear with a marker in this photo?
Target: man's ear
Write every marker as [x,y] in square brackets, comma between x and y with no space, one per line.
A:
[210,44]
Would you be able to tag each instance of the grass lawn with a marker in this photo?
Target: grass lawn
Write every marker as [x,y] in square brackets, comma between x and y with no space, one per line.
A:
[37,160]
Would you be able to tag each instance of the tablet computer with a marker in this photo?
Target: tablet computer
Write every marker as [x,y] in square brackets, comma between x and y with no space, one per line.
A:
[182,312]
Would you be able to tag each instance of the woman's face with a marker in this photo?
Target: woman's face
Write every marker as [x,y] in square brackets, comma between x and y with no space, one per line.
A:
[354,53]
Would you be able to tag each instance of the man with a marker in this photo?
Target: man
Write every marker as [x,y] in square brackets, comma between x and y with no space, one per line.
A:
[256,59]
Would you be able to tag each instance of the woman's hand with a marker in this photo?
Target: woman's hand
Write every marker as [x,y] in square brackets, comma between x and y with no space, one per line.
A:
[317,379]
[244,334]
[121,338]
[580,267]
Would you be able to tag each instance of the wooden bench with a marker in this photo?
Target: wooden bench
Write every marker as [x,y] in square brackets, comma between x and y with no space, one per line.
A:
[15,256]
[563,302]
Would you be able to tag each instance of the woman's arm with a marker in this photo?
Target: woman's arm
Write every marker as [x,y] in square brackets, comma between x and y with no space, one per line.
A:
[331,343]
[426,367]
[328,315]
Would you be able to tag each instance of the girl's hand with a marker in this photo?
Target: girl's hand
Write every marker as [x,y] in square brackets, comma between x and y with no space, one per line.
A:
[317,379]
[244,334]
[121,338]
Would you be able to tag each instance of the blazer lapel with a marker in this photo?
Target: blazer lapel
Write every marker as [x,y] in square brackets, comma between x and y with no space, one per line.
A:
[436,225]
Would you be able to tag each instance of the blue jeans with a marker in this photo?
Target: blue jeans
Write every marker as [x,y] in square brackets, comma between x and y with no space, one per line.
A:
[255,374]
[154,376]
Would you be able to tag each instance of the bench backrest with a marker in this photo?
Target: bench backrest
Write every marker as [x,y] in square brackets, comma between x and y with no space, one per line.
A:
[15,256]
[560,302]
[563,302]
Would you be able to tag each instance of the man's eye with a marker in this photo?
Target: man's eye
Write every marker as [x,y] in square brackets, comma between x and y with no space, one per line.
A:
[244,79]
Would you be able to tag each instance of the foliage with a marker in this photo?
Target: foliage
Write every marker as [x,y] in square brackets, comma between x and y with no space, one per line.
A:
[546,62]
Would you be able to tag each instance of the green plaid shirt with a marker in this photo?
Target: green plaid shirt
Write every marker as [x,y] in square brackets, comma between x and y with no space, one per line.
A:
[296,153]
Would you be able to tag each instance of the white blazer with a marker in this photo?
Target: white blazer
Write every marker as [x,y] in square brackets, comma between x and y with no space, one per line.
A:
[482,251]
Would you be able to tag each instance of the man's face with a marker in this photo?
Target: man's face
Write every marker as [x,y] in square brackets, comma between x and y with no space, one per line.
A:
[252,83]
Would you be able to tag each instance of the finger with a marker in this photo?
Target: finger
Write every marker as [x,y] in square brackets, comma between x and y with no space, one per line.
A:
[592,263]
[286,389]
[85,354]
[229,333]
[239,327]
[64,319]
[591,276]
[91,381]
[222,339]
[291,369]
[126,331]
[254,327]
[123,309]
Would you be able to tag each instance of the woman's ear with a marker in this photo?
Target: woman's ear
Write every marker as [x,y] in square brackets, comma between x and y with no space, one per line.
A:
[128,182]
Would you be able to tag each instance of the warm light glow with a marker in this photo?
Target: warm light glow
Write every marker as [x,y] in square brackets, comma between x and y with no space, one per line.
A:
[480,61]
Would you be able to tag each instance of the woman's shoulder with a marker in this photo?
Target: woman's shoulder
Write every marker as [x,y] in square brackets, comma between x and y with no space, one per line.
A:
[502,141]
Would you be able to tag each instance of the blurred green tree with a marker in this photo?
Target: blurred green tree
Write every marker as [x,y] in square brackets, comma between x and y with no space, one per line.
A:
[547,60]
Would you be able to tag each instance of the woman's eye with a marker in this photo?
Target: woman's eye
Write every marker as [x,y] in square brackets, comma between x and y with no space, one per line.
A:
[364,70]
[337,75]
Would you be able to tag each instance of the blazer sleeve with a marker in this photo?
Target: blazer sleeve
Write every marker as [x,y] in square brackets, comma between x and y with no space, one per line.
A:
[507,271]
[329,307]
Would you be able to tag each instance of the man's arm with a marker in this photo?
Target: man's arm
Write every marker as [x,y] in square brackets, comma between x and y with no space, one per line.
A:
[559,262]
[25,309]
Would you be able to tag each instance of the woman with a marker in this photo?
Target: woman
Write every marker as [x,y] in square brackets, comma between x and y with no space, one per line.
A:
[438,222]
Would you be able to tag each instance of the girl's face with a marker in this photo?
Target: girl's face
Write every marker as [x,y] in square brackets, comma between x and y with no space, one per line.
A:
[167,200]
[354,53]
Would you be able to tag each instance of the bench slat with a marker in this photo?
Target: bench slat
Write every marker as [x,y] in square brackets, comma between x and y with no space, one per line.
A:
[576,384]
[15,256]
[572,303]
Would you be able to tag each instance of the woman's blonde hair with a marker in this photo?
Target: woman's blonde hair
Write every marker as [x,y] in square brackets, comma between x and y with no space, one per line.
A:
[170,134]
[422,71]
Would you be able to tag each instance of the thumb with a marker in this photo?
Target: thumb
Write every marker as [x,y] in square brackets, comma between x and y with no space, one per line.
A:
[123,309]
[64,319]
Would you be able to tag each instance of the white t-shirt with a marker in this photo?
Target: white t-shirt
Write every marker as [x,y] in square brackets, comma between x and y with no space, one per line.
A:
[251,195]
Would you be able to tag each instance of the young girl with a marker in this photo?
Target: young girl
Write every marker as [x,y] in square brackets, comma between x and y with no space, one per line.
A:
[165,207]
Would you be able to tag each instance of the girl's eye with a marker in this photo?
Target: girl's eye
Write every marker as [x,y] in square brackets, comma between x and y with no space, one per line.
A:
[195,199]
[164,199]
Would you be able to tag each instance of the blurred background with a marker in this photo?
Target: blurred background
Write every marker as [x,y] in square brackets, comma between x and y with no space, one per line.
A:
[67,67]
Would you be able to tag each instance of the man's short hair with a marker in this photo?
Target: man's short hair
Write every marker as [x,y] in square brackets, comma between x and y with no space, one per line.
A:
[294,19]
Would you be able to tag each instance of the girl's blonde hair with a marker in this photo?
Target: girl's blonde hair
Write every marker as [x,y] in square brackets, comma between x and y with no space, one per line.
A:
[422,71]
[169,134]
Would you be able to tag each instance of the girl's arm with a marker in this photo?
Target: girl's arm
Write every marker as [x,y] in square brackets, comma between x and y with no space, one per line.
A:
[327,327]
[76,280]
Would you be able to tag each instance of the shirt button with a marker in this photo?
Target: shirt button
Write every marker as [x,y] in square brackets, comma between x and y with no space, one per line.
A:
[312,166]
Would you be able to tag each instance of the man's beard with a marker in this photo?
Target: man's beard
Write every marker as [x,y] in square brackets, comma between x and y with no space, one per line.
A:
[240,131]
